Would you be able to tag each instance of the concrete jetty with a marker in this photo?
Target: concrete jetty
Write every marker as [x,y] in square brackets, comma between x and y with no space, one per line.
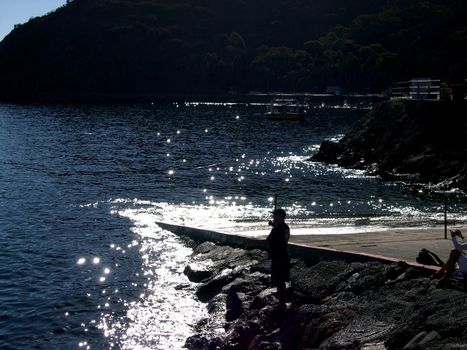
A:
[392,245]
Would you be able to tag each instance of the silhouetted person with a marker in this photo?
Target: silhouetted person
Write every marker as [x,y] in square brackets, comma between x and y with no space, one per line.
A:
[278,253]
[457,256]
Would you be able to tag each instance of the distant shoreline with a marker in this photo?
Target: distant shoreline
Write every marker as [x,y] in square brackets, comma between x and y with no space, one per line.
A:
[169,98]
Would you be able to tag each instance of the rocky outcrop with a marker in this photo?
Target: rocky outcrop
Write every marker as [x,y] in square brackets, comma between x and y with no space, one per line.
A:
[332,305]
[423,141]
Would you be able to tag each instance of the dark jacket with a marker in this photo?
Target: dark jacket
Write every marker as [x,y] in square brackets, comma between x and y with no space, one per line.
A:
[277,241]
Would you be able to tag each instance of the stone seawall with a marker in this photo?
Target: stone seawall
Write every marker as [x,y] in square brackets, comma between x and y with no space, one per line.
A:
[332,304]
[300,251]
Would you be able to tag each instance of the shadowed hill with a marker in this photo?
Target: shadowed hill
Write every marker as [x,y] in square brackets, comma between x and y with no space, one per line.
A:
[101,48]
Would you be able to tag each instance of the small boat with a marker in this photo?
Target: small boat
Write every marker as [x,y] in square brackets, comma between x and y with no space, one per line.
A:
[285,109]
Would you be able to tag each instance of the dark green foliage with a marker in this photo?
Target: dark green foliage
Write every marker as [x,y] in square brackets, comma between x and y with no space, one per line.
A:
[142,47]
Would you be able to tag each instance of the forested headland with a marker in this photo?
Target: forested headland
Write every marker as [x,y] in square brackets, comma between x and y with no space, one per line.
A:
[92,48]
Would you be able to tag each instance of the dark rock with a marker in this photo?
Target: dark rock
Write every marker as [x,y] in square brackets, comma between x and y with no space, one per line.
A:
[211,288]
[396,270]
[400,140]
[263,266]
[203,342]
[369,278]
[225,257]
[342,299]
[182,286]
[242,334]
[197,342]
[196,273]
[314,283]
[204,248]
[234,305]
[328,152]
[359,331]
[319,329]
[266,297]
[217,304]
[259,343]
[251,284]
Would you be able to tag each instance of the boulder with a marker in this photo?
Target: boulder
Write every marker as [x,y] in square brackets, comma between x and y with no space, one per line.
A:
[329,152]
[208,290]
[266,297]
[197,273]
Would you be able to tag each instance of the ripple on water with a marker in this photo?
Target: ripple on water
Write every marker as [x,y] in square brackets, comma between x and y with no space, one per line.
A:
[164,314]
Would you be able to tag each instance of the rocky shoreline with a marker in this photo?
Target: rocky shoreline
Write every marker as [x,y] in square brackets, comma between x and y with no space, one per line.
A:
[416,141]
[331,305]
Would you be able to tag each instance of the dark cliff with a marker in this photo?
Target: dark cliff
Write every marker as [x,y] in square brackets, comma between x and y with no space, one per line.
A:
[408,140]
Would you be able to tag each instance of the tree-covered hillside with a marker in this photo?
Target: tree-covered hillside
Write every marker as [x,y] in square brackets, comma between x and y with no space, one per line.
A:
[133,47]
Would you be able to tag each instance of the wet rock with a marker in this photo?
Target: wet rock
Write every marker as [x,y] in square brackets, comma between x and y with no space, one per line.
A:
[242,334]
[208,290]
[203,248]
[197,342]
[266,297]
[216,305]
[197,273]
[329,152]
[182,286]
[245,291]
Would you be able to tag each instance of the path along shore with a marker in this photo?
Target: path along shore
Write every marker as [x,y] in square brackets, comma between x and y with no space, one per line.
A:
[392,245]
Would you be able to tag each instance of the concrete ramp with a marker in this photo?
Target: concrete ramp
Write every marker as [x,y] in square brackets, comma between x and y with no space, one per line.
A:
[304,250]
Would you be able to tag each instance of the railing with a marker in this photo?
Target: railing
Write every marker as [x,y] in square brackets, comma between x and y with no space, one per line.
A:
[417,89]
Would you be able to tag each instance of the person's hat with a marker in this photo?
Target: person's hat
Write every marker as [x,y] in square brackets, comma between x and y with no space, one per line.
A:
[279,211]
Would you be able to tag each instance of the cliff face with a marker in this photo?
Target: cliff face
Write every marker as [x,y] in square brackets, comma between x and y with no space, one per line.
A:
[410,140]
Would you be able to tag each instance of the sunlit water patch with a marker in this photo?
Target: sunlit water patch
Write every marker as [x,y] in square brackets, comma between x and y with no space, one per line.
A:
[330,217]
[165,312]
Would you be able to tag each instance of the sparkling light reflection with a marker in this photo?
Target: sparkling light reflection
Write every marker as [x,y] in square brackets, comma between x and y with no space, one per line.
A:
[163,316]
[235,214]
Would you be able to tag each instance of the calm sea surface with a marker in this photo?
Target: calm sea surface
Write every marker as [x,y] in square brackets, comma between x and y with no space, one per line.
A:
[83,263]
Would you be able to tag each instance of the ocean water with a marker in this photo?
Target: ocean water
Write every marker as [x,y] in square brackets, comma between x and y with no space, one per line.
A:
[84,264]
